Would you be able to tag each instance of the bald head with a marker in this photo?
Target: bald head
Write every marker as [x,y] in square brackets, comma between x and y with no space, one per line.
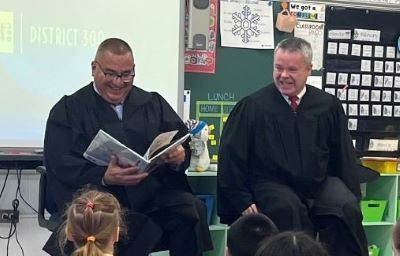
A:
[115,46]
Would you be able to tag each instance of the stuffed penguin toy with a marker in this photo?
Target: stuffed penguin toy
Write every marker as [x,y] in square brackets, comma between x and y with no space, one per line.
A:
[200,159]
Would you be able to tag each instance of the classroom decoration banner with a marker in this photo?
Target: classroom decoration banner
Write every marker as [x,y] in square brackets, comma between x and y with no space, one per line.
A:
[203,61]
[307,11]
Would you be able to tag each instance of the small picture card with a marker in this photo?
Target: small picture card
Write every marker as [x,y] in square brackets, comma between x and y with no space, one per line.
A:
[352,124]
[344,48]
[389,66]
[364,110]
[344,105]
[342,78]
[330,78]
[356,49]
[378,51]
[331,91]
[341,94]
[387,110]
[366,79]
[388,81]
[376,95]
[386,96]
[367,50]
[398,67]
[378,81]
[376,110]
[332,48]
[396,96]
[378,66]
[396,111]
[352,94]
[365,65]
[352,110]
[364,95]
[396,82]
[390,52]
[355,79]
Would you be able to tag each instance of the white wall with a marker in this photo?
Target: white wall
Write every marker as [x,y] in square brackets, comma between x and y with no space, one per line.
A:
[30,235]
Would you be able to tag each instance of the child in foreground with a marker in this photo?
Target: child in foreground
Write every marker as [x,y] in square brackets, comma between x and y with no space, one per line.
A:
[245,234]
[291,243]
[93,222]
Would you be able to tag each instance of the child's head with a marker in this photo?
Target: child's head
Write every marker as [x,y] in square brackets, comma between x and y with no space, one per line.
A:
[291,243]
[396,238]
[246,232]
[93,222]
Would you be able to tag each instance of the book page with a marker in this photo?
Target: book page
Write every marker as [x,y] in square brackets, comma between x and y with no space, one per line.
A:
[169,148]
[103,146]
[160,141]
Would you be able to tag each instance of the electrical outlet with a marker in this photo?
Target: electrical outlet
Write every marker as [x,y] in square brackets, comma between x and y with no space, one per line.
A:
[8,216]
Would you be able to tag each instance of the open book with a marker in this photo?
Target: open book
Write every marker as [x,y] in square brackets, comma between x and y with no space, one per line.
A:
[103,146]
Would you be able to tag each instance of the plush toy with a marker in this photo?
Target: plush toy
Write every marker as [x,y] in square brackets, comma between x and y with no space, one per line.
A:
[200,159]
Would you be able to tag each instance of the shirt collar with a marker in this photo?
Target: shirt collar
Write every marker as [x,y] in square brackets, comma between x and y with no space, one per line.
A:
[95,89]
[299,96]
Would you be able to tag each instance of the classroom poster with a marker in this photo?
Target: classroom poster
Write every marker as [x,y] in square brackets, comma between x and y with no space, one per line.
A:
[313,32]
[203,61]
[308,11]
[247,24]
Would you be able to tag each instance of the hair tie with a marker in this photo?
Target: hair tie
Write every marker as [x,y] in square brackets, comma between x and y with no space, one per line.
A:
[91,239]
[90,204]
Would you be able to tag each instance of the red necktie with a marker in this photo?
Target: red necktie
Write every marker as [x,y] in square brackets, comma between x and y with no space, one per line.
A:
[293,102]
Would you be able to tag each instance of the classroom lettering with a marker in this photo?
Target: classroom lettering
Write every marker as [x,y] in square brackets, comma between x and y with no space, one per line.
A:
[221,96]
[59,36]
[298,7]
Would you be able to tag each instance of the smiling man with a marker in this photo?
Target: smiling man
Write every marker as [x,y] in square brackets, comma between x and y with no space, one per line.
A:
[161,210]
[285,151]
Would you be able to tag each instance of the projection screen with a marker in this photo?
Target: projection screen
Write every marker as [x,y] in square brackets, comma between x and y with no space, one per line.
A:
[46,48]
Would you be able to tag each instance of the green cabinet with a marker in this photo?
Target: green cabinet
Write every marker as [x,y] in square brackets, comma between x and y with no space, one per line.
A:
[378,233]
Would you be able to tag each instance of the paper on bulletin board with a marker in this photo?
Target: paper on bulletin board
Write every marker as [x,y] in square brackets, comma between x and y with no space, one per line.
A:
[308,11]
[203,61]
[247,24]
[315,81]
[313,32]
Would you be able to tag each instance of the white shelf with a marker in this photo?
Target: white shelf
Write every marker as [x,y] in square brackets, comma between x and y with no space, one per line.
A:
[218,227]
[377,223]
[201,174]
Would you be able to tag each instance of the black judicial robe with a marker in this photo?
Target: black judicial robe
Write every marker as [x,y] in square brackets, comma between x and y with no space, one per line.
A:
[73,123]
[263,140]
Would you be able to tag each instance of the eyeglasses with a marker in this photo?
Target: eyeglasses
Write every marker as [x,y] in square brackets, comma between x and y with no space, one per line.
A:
[110,76]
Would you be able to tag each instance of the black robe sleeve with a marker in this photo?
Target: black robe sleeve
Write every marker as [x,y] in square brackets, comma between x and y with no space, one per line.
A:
[343,159]
[64,145]
[232,181]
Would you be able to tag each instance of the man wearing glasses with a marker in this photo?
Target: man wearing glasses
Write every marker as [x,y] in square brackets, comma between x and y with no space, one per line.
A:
[162,212]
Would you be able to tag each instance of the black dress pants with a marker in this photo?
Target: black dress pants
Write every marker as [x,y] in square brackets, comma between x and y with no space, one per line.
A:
[334,213]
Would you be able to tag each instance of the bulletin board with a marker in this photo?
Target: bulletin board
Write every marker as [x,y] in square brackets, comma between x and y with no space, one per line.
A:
[239,72]
[362,68]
